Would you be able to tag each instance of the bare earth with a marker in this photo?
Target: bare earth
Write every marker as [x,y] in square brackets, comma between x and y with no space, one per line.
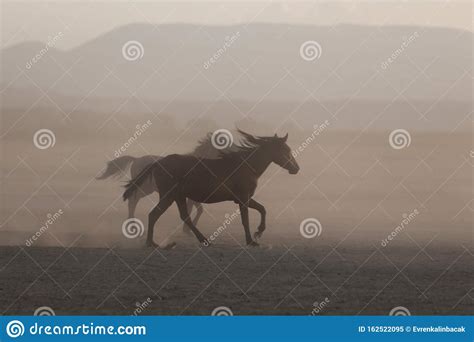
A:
[271,280]
[82,264]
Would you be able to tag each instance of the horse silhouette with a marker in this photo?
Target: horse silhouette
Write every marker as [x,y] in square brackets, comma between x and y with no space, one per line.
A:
[233,176]
[118,167]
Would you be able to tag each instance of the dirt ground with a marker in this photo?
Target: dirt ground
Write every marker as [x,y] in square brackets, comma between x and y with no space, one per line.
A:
[357,186]
[270,280]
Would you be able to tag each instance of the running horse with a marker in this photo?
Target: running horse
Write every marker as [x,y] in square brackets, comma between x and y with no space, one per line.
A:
[231,177]
[118,168]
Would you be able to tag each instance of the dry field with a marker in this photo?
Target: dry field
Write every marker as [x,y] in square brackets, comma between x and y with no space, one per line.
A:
[355,184]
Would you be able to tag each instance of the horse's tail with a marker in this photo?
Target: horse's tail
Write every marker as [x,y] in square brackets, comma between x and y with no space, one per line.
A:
[133,185]
[117,167]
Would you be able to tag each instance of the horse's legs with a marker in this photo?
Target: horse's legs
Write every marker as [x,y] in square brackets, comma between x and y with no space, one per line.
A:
[189,208]
[199,211]
[144,190]
[183,213]
[261,209]
[154,215]
[132,205]
[244,214]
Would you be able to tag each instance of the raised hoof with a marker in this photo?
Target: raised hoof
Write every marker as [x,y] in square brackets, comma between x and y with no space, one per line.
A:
[257,235]
[253,244]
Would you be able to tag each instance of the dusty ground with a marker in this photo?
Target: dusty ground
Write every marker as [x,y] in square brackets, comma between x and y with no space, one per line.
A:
[355,185]
[271,280]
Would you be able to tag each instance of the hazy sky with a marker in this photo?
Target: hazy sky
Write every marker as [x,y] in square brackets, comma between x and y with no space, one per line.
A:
[84,20]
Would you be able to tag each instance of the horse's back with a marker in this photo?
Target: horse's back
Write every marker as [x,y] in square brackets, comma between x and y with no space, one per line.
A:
[178,165]
[202,180]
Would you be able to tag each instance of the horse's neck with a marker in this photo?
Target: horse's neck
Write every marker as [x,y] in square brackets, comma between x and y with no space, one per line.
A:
[258,161]
[205,151]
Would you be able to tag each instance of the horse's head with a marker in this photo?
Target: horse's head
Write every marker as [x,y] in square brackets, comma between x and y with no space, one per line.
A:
[281,155]
[276,148]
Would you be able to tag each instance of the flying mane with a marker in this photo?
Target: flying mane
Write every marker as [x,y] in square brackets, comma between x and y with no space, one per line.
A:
[237,151]
[248,145]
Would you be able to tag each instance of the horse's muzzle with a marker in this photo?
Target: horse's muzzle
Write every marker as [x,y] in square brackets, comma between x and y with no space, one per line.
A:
[293,171]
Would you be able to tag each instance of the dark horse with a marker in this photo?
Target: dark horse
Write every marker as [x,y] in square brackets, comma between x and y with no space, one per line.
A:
[231,177]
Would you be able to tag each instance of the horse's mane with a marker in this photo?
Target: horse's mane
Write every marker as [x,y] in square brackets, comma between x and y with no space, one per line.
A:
[202,147]
[205,149]
[246,146]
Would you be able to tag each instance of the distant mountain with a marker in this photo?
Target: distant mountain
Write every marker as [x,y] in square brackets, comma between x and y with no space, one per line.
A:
[251,63]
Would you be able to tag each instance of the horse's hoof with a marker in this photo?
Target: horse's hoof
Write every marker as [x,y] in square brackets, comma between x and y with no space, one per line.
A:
[152,244]
[257,235]
[169,246]
[253,244]
[205,243]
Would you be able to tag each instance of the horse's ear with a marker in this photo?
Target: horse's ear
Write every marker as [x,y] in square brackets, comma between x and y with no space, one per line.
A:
[285,138]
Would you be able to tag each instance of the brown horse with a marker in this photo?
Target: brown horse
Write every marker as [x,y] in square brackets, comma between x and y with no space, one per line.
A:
[232,177]
[118,167]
